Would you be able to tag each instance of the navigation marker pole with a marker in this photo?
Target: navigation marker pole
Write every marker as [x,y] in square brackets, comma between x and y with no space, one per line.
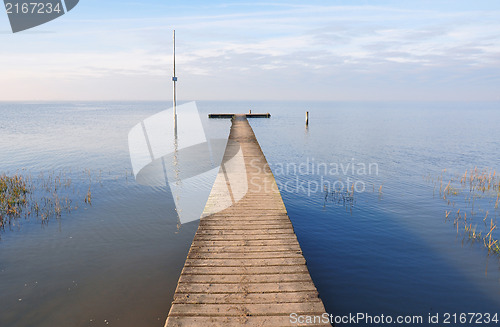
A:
[174,79]
[176,143]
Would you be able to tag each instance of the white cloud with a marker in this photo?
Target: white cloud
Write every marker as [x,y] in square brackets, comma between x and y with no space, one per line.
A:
[338,46]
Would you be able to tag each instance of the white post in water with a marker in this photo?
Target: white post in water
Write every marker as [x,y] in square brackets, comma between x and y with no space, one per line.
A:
[174,79]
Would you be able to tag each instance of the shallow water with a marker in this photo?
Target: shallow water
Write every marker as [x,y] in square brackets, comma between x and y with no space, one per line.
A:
[117,261]
[392,253]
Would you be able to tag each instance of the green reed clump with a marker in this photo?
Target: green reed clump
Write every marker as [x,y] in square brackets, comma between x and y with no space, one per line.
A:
[13,196]
[49,194]
[46,195]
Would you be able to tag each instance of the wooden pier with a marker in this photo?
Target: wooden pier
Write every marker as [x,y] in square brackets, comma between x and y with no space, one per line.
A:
[245,266]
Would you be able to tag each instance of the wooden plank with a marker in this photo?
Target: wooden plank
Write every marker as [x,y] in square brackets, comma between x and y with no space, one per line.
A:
[245,243]
[244,255]
[245,270]
[244,228]
[264,278]
[251,298]
[257,262]
[255,215]
[256,237]
[247,249]
[257,321]
[225,310]
[246,232]
[246,223]
[245,266]
[246,287]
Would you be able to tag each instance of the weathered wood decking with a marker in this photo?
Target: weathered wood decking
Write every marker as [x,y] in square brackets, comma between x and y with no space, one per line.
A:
[245,266]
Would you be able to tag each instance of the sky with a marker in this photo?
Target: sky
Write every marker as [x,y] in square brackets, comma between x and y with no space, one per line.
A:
[240,50]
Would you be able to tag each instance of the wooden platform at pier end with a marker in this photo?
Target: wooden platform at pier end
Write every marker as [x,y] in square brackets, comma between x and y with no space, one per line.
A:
[248,115]
[245,266]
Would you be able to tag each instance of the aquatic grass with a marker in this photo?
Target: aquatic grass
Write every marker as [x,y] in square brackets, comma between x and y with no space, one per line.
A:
[13,196]
[340,197]
[490,243]
[478,188]
[88,197]
[49,194]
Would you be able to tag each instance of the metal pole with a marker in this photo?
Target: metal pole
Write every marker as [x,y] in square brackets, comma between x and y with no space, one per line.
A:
[174,79]
[176,144]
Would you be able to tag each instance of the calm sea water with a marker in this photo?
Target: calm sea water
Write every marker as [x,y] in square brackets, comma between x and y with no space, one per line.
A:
[386,250]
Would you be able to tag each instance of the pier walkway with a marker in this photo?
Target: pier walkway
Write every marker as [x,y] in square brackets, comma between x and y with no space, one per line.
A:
[245,266]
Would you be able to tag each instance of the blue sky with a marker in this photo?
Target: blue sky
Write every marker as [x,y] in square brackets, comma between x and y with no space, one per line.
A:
[239,50]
